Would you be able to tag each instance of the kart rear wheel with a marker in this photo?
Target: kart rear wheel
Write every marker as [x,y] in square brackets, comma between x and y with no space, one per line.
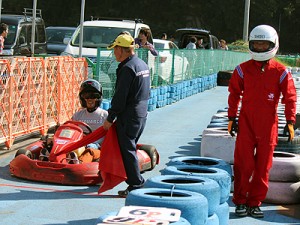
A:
[152,152]
[24,152]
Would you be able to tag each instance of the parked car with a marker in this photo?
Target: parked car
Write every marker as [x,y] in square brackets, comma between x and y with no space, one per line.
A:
[55,39]
[99,34]
[18,41]
[167,49]
[183,36]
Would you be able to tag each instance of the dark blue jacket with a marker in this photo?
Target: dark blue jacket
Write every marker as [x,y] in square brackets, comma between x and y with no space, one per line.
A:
[132,90]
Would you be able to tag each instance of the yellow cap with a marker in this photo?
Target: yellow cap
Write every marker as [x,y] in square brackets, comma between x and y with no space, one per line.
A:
[123,40]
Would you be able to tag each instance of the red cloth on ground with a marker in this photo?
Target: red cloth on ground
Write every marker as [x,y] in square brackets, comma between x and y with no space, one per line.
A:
[111,162]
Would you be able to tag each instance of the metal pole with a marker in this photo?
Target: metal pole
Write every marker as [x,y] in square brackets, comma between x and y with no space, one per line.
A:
[0,9]
[81,27]
[246,20]
[33,27]
[279,25]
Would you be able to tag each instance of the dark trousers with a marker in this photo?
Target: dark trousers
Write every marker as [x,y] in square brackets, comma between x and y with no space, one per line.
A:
[129,131]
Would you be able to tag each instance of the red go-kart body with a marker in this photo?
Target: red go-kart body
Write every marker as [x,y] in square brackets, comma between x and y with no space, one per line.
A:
[27,165]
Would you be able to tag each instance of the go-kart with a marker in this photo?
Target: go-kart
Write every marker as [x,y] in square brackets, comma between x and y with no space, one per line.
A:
[27,164]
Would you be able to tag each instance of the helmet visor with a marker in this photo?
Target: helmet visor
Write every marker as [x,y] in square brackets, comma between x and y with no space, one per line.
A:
[90,95]
[261,46]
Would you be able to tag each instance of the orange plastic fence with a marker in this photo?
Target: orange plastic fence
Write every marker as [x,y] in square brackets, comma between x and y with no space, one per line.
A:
[37,93]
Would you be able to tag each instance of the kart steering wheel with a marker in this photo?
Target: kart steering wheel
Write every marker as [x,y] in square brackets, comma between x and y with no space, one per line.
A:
[79,123]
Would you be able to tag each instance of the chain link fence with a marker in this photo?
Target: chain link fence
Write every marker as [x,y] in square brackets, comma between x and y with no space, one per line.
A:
[169,67]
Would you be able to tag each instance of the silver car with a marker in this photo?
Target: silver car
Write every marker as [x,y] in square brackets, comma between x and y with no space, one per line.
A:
[55,39]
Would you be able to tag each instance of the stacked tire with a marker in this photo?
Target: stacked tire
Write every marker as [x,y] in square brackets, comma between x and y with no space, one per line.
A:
[222,211]
[216,142]
[284,179]
[224,77]
[220,176]
[193,206]
[205,186]
[284,185]
[198,186]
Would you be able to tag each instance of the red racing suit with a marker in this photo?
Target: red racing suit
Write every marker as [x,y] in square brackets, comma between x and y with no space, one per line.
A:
[258,85]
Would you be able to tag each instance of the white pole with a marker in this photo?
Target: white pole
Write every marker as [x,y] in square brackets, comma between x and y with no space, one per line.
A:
[246,20]
[0,9]
[33,27]
[81,27]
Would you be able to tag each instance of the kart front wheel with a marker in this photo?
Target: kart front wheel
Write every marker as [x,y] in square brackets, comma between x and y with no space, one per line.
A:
[152,153]
[24,152]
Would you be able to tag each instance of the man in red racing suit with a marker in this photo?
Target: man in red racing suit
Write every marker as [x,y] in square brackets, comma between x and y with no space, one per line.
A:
[260,84]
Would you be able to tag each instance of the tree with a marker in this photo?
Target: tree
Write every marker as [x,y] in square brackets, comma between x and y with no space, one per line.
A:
[223,18]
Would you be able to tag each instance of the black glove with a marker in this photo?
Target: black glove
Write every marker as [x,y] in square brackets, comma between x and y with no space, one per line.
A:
[289,130]
[232,126]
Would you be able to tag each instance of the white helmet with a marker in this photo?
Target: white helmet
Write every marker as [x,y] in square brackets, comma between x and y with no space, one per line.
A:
[264,33]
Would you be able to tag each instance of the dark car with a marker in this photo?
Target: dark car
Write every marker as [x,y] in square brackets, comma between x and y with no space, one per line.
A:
[183,36]
[55,39]
[18,41]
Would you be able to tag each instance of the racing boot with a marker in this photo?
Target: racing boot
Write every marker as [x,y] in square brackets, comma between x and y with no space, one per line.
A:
[255,212]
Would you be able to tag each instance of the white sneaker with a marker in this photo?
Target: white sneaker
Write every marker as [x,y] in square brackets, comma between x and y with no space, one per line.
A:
[72,158]
[44,155]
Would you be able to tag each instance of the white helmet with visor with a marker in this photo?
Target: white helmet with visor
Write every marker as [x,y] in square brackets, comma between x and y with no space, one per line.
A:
[263,33]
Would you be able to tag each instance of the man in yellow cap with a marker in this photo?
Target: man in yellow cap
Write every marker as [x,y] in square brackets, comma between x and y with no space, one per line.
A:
[129,106]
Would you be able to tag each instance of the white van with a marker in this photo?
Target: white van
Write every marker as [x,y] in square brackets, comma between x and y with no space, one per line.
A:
[100,33]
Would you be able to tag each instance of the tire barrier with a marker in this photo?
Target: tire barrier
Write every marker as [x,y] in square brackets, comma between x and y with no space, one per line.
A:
[219,146]
[219,175]
[220,115]
[285,146]
[223,213]
[202,161]
[215,130]
[100,219]
[286,167]
[193,206]
[168,94]
[222,110]
[219,120]
[213,220]
[283,193]
[213,125]
[224,77]
[205,186]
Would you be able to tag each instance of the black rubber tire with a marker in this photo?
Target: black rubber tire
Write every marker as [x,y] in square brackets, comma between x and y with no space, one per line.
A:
[213,125]
[223,77]
[219,175]
[152,152]
[202,161]
[222,110]
[205,186]
[290,147]
[193,206]
[24,152]
[100,219]
[220,120]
